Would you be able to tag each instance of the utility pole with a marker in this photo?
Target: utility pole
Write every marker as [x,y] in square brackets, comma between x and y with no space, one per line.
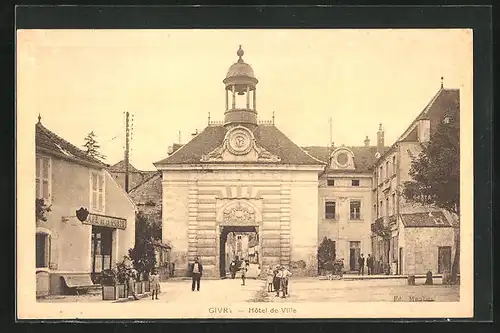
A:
[127,149]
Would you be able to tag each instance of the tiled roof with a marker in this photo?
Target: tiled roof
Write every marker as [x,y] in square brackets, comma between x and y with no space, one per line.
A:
[51,142]
[120,167]
[364,156]
[149,191]
[269,137]
[446,102]
[148,197]
[430,219]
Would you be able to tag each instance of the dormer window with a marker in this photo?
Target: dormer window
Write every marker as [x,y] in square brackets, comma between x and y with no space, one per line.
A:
[342,159]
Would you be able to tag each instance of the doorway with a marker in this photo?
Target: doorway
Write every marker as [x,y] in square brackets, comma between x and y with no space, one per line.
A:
[444,259]
[354,253]
[237,243]
[101,251]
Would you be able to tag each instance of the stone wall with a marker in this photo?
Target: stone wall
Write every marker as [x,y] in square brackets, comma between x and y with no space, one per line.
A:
[421,248]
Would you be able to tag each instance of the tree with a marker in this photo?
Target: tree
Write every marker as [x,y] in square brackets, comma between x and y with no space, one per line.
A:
[435,176]
[326,254]
[143,254]
[92,147]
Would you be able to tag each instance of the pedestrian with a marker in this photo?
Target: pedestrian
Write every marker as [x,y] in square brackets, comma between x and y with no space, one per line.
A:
[270,278]
[233,268]
[369,264]
[284,276]
[196,270]
[154,283]
[276,280]
[244,269]
[361,264]
[131,283]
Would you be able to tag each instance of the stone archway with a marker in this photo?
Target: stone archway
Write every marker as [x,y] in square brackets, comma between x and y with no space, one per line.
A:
[235,215]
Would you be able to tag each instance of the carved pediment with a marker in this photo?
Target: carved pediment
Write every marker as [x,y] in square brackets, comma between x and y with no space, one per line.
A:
[239,214]
[239,145]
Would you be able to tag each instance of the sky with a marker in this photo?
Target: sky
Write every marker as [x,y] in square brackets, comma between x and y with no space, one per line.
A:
[85,80]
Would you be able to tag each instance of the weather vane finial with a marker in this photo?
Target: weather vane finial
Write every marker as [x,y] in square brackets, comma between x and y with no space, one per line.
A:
[39,118]
[442,78]
[240,53]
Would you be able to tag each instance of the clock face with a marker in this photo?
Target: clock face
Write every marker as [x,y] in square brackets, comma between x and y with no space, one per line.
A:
[342,158]
[239,142]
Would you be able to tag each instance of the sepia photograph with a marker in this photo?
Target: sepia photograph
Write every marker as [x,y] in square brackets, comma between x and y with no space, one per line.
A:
[164,186]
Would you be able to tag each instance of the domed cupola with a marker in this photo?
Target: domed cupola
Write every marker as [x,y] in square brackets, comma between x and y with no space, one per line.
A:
[241,95]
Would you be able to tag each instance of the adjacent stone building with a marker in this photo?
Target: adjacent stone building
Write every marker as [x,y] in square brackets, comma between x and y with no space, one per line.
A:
[67,180]
[344,199]
[416,239]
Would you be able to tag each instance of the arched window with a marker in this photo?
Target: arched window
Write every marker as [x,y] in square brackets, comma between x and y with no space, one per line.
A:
[42,250]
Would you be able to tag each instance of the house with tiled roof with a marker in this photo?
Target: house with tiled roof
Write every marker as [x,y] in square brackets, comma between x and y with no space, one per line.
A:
[91,222]
[136,177]
[240,175]
[415,241]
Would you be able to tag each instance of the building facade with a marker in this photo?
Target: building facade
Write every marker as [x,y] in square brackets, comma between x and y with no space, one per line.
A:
[67,180]
[240,175]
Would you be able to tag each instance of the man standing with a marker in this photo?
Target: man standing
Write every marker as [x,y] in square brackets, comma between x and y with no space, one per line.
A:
[244,269]
[285,274]
[369,264]
[361,264]
[196,270]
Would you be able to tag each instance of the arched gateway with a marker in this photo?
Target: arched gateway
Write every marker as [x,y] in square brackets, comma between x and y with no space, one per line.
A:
[240,175]
[236,216]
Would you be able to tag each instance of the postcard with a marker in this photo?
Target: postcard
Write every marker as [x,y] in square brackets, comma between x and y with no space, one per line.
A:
[298,173]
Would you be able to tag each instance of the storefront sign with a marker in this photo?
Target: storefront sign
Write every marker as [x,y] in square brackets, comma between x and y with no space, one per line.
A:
[101,220]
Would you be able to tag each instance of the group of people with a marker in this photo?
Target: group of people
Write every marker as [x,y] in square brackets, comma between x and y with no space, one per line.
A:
[277,280]
[361,264]
[154,283]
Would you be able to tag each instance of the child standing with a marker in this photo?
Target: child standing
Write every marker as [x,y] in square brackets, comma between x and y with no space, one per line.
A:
[154,280]
[270,279]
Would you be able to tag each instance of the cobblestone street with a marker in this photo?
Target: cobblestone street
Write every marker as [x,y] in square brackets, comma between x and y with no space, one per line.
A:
[301,290]
[376,290]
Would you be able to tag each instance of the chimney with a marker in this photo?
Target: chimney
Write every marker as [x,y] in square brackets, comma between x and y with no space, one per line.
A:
[170,150]
[380,139]
[194,134]
[367,141]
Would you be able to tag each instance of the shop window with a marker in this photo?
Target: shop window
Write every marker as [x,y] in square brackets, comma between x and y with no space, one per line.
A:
[355,209]
[101,251]
[97,189]
[42,250]
[330,210]
[43,177]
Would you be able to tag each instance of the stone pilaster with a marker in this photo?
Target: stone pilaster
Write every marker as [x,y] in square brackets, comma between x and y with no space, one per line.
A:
[285,219]
[192,222]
